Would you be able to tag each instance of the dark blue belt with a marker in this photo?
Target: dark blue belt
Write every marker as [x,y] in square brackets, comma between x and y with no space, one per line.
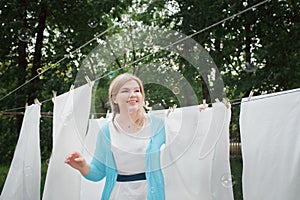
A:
[134,177]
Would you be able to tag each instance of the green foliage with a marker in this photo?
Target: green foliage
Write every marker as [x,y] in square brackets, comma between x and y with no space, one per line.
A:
[236,165]
[54,34]
[8,138]
[266,36]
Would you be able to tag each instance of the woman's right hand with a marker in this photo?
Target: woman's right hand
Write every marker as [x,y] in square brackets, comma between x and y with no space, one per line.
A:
[76,161]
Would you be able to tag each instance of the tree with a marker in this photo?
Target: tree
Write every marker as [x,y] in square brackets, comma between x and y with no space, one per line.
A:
[37,56]
[256,50]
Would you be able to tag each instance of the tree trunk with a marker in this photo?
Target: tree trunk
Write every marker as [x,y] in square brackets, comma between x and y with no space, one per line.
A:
[22,65]
[36,85]
[248,43]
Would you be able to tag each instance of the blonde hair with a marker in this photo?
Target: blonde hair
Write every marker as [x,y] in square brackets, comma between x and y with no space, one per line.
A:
[114,88]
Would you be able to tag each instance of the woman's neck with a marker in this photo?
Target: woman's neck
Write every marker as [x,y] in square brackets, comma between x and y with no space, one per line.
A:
[128,123]
[128,118]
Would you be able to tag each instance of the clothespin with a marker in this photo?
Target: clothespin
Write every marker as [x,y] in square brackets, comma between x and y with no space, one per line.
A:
[72,87]
[227,104]
[171,109]
[88,80]
[107,114]
[217,100]
[174,106]
[250,95]
[54,95]
[203,105]
[36,101]
[26,105]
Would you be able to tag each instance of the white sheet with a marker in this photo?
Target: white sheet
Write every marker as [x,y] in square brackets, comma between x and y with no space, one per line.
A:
[270,133]
[23,179]
[195,158]
[71,114]
[91,190]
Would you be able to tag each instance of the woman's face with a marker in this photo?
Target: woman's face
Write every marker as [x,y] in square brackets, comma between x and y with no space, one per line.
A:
[129,98]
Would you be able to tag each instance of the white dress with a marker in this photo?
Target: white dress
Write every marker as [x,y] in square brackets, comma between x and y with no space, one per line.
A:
[129,150]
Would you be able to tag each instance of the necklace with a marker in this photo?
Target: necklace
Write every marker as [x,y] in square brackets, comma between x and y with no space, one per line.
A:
[131,127]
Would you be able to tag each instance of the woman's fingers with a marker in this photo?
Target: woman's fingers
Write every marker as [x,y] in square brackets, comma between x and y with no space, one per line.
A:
[75,160]
[72,157]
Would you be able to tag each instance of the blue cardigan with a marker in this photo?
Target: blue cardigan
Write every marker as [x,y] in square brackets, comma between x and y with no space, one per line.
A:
[103,163]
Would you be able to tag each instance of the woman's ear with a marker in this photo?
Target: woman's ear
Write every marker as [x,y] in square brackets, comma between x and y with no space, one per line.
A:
[114,100]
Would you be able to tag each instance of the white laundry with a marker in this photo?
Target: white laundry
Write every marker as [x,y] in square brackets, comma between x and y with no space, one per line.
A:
[195,159]
[195,165]
[70,120]
[91,190]
[23,179]
[270,133]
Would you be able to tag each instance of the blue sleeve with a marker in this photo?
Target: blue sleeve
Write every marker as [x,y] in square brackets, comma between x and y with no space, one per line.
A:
[97,166]
[97,171]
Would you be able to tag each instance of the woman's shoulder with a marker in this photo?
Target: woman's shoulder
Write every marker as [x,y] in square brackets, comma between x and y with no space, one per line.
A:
[104,129]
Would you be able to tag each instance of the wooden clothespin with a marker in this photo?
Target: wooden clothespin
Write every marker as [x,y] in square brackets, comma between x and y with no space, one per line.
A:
[54,95]
[107,114]
[204,102]
[217,100]
[250,95]
[227,104]
[174,107]
[72,87]
[171,109]
[88,80]
[26,105]
[92,116]
[36,101]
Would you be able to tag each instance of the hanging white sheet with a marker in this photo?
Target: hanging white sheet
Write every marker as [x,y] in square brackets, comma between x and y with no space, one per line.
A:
[270,133]
[70,120]
[195,159]
[23,179]
[91,190]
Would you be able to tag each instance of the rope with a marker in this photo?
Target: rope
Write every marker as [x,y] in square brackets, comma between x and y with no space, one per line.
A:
[76,50]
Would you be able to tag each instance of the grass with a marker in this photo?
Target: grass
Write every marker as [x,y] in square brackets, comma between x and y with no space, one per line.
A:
[235,163]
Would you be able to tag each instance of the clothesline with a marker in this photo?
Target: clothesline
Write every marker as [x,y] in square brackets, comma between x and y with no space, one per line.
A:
[97,36]
[234,102]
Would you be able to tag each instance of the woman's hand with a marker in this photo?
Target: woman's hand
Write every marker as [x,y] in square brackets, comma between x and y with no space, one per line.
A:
[76,161]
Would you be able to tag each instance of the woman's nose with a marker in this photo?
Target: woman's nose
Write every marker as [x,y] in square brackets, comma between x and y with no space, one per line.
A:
[131,93]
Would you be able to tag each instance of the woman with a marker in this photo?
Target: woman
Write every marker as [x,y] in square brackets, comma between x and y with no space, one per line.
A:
[128,147]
